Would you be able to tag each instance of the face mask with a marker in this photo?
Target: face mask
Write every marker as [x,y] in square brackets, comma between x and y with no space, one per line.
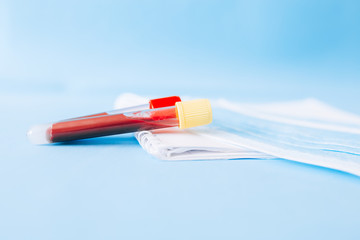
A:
[306,131]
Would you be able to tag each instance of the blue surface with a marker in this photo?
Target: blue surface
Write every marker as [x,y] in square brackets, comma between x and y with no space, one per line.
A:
[61,59]
[109,188]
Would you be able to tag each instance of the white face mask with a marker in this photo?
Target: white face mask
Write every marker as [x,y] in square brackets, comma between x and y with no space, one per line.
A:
[306,131]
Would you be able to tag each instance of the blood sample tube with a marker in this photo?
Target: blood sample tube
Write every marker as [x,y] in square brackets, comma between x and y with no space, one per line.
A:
[153,103]
[184,114]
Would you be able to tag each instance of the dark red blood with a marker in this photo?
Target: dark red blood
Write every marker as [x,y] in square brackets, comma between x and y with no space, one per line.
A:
[113,124]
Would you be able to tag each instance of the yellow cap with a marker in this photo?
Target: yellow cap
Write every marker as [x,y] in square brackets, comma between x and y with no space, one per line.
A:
[193,113]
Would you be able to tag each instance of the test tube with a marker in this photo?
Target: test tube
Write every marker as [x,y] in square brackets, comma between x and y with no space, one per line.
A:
[153,103]
[184,114]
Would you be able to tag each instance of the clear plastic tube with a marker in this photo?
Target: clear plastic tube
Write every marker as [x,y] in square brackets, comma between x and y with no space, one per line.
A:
[183,114]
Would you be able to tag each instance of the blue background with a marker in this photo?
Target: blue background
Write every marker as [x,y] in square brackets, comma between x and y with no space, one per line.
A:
[60,59]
